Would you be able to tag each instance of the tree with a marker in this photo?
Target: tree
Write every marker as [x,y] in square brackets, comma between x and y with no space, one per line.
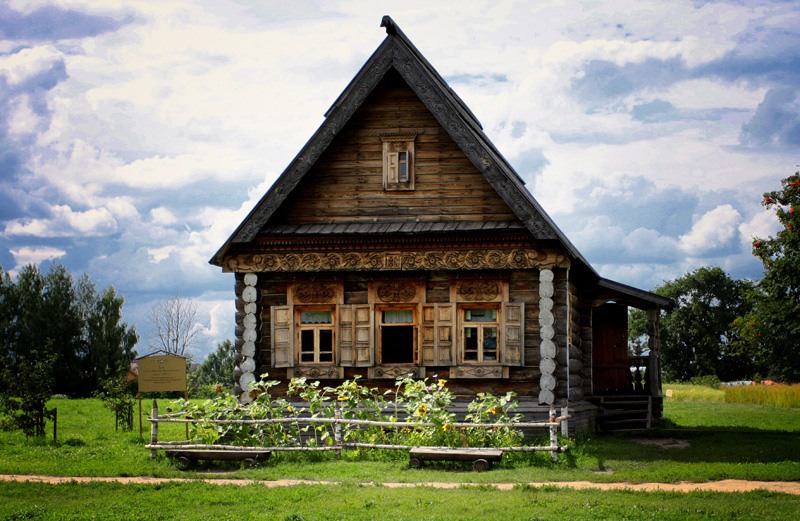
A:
[30,354]
[175,326]
[111,341]
[773,326]
[699,338]
[218,367]
[52,318]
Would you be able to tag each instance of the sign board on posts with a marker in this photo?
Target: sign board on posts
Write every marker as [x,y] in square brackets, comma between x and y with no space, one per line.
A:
[162,372]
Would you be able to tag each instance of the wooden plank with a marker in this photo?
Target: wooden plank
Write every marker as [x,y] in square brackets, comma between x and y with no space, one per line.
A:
[456,454]
[219,455]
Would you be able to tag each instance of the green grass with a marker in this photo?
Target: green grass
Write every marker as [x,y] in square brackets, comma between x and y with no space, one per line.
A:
[109,501]
[692,393]
[778,395]
[726,441]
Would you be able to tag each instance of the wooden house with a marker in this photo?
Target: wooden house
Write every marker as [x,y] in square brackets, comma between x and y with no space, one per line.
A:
[400,241]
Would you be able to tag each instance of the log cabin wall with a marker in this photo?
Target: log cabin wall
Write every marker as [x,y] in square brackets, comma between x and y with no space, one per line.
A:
[585,325]
[575,349]
[523,287]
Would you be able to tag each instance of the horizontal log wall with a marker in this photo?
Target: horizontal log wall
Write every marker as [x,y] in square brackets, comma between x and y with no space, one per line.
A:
[346,183]
[523,287]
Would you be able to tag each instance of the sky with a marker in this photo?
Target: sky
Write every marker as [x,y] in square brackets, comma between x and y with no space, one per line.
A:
[136,135]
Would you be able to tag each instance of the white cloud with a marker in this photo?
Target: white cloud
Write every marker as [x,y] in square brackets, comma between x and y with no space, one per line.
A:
[708,93]
[162,216]
[28,62]
[34,255]
[66,222]
[22,120]
[763,224]
[159,254]
[713,231]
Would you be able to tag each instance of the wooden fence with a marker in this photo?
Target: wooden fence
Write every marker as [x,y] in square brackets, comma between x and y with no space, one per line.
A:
[552,425]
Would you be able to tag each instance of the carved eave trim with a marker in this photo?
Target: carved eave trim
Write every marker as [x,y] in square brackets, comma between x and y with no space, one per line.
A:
[395,261]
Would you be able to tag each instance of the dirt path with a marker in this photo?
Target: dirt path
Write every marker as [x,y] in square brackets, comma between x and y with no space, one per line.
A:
[727,485]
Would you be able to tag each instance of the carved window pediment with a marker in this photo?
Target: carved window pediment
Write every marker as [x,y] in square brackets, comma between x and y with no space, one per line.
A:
[316,292]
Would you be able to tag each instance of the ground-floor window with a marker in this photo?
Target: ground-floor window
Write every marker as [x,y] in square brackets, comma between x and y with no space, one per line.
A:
[315,330]
[472,336]
[479,340]
[397,338]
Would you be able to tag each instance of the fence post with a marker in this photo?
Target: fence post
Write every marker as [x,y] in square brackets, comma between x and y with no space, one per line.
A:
[337,428]
[553,434]
[154,429]
[55,427]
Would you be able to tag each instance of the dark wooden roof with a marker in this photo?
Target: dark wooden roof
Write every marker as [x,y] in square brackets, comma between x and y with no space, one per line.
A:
[390,227]
[397,51]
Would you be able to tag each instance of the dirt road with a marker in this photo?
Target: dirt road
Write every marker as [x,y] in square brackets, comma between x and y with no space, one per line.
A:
[728,485]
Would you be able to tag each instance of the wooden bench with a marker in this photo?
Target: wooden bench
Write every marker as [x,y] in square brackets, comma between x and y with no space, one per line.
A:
[482,458]
[187,457]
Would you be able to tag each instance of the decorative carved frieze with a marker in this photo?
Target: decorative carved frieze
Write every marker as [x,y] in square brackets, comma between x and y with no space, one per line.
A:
[479,291]
[314,293]
[321,372]
[395,371]
[479,371]
[479,259]
[396,291]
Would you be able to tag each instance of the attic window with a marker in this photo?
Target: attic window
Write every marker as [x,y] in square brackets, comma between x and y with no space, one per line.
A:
[398,161]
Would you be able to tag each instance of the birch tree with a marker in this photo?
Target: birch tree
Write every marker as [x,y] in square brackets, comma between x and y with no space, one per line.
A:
[175,325]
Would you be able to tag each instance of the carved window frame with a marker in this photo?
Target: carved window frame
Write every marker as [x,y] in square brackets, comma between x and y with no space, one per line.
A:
[316,328]
[399,160]
[380,324]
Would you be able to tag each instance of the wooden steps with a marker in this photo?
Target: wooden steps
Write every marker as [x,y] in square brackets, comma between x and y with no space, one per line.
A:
[624,413]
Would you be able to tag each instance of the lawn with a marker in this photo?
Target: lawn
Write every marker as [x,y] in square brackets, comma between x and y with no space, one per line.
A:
[721,441]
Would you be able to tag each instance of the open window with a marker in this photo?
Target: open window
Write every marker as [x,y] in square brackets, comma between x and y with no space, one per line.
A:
[398,161]
[396,335]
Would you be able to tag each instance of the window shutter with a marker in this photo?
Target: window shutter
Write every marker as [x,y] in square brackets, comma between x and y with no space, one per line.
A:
[437,344]
[393,166]
[362,335]
[513,333]
[282,332]
[346,351]
[355,336]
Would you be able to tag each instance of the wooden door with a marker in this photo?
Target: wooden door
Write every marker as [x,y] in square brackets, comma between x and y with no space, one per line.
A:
[610,367]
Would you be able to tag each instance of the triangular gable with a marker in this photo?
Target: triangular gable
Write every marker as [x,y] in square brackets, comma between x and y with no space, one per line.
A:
[396,51]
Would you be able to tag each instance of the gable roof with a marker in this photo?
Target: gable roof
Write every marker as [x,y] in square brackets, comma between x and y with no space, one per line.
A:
[397,52]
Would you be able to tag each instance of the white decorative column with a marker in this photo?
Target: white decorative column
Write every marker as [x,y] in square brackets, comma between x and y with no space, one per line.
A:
[547,349]
[250,322]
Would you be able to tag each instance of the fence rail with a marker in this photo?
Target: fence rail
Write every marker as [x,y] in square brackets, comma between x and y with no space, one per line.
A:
[553,426]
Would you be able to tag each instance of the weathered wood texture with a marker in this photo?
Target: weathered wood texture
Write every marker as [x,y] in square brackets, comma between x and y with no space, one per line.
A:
[585,324]
[346,184]
[523,287]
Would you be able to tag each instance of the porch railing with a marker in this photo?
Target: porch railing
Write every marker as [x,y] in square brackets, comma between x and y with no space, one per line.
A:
[639,367]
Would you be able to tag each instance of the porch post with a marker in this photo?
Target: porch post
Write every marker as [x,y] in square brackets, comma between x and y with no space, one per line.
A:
[654,345]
